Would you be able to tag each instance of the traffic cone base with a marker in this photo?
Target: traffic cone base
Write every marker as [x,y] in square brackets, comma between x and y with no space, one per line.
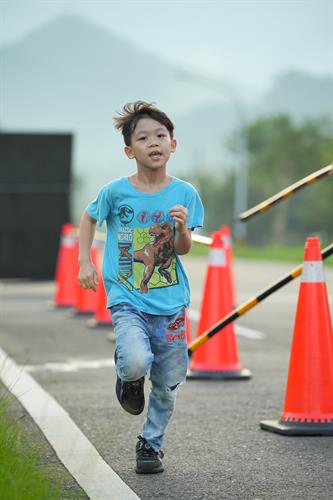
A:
[241,374]
[95,323]
[298,428]
[73,313]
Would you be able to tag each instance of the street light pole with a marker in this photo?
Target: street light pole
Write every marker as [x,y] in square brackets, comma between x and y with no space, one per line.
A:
[241,188]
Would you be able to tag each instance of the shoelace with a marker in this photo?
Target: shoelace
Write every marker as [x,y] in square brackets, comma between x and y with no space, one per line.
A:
[146,451]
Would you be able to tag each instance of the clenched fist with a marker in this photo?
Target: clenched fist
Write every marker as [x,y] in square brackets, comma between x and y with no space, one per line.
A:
[88,277]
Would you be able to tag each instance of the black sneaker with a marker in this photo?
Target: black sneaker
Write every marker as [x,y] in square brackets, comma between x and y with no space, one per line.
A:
[131,394]
[148,461]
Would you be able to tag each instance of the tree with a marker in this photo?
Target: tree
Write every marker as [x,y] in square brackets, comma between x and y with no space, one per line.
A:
[280,153]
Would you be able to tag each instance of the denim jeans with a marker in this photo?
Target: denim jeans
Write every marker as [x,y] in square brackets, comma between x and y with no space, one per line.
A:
[147,343]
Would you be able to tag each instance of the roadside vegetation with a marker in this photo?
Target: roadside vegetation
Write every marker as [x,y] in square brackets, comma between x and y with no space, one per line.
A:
[21,475]
[275,253]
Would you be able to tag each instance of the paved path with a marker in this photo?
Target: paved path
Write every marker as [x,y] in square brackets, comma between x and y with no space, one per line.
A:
[214,446]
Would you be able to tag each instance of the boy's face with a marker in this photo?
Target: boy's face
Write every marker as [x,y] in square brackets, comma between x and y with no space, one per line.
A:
[151,144]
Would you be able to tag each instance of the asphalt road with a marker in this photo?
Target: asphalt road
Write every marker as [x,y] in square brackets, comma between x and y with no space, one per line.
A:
[214,448]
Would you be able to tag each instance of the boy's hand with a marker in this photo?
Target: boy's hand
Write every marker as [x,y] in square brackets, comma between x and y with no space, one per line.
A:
[88,277]
[179,215]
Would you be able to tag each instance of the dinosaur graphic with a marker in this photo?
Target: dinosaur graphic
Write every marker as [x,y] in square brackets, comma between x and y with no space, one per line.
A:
[159,253]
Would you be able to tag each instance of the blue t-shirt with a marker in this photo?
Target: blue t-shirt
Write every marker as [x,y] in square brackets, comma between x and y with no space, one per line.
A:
[140,265]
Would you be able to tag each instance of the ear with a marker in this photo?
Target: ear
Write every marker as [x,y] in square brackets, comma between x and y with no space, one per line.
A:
[129,152]
[173,145]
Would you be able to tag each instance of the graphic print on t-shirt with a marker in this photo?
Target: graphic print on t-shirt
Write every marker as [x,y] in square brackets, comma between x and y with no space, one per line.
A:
[150,250]
[125,260]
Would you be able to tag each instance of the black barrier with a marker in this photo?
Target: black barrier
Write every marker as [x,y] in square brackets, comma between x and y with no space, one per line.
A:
[35,174]
[286,193]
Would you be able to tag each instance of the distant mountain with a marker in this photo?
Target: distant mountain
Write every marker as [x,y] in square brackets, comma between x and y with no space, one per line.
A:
[71,75]
[70,68]
[299,94]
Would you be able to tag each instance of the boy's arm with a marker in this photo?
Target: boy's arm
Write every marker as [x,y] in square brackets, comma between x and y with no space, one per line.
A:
[88,277]
[183,239]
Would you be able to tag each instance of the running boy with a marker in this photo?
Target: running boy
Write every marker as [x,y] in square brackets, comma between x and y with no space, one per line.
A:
[149,217]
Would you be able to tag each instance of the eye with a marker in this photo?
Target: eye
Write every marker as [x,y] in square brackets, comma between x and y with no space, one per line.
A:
[161,135]
[142,138]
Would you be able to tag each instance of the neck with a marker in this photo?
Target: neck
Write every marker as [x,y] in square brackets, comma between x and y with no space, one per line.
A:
[148,180]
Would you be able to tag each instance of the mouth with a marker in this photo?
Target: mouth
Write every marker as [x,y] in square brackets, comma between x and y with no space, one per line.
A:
[155,155]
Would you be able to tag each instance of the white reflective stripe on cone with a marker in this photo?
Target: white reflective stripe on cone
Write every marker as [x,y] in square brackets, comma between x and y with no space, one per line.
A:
[217,257]
[95,244]
[227,241]
[67,241]
[313,272]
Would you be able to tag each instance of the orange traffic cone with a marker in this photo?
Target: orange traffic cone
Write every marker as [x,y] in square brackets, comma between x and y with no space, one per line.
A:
[218,357]
[85,300]
[102,316]
[227,241]
[65,290]
[308,407]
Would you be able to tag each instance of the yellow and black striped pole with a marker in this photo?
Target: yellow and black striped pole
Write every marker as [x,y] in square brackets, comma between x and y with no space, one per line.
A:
[249,304]
[286,193]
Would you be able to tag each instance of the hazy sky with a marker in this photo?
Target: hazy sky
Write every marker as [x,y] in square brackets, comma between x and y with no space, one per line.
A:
[250,39]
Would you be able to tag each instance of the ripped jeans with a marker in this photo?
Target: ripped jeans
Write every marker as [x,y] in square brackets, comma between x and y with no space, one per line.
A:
[156,344]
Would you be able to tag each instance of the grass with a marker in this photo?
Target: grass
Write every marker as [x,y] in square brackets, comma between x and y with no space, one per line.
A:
[276,253]
[21,476]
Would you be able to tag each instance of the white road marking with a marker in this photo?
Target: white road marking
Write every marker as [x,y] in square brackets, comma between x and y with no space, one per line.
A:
[239,330]
[72,365]
[75,451]
[249,333]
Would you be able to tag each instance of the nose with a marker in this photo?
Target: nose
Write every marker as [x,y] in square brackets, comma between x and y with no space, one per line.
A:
[153,142]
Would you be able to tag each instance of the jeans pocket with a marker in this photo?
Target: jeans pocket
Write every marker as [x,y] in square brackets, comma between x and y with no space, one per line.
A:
[117,307]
